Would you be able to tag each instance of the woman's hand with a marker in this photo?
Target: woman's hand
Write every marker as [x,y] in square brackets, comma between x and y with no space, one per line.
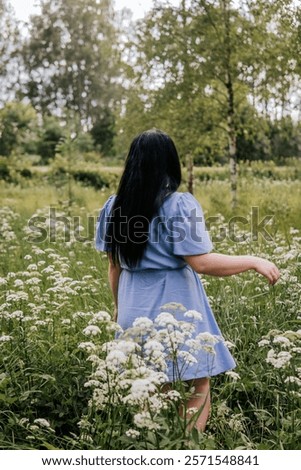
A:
[267,269]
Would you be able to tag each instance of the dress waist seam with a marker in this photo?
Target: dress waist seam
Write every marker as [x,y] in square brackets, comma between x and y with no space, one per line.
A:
[153,269]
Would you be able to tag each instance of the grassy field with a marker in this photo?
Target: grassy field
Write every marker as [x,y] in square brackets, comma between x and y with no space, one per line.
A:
[60,367]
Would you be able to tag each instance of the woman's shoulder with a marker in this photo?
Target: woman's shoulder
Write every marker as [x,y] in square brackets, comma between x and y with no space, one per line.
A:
[109,203]
[177,195]
[178,200]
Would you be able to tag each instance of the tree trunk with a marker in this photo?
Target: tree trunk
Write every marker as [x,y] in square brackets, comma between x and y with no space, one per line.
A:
[233,170]
[232,143]
[190,174]
[232,139]
[187,95]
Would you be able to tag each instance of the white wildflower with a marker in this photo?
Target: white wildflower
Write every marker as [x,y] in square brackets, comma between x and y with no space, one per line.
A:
[94,359]
[17,314]
[88,346]
[127,347]
[143,323]
[192,410]
[113,326]
[101,316]
[42,422]
[173,395]
[3,376]
[172,339]
[23,421]
[173,306]
[207,337]
[193,314]
[293,380]
[49,269]
[235,424]
[263,342]
[11,275]
[141,388]
[41,323]
[144,420]
[92,383]
[33,280]
[165,319]
[188,328]
[278,360]
[116,358]
[153,346]
[233,375]
[282,340]
[32,267]
[133,433]
[187,357]
[193,345]
[223,409]
[101,373]
[81,315]
[91,330]
[16,296]
[5,338]
[209,349]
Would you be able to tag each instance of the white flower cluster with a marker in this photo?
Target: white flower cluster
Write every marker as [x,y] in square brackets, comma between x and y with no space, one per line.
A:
[7,234]
[284,355]
[130,370]
[278,360]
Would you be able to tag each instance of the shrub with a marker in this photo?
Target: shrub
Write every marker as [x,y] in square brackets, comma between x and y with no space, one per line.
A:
[4,170]
[91,178]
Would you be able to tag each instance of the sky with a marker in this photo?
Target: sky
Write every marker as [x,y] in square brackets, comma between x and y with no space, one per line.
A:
[24,8]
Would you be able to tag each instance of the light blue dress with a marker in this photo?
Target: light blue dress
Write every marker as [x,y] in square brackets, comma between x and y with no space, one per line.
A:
[163,277]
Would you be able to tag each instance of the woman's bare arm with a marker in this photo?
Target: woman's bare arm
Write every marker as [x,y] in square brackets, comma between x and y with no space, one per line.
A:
[216,264]
[113,275]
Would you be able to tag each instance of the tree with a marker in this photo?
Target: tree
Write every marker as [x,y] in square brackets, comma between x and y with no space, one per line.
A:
[71,59]
[103,133]
[200,66]
[18,128]
[285,138]
[169,89]
[51,134]
[9,45]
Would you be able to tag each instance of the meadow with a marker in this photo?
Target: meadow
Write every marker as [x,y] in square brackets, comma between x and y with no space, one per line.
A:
[66,383]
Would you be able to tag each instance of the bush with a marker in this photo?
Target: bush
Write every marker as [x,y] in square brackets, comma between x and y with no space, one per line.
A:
[90,178]
[26,173]
[4,170]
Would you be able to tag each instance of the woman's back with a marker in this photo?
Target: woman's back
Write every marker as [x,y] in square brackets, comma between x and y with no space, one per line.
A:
[177,230]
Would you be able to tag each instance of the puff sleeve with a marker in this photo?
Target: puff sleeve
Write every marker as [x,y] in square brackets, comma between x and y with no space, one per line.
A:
[187,229]
[101,241]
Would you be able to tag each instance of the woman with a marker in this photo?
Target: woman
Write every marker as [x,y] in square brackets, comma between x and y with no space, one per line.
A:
[157,245]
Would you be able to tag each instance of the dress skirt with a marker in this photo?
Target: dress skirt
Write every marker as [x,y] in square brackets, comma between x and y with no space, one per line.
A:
[144,293]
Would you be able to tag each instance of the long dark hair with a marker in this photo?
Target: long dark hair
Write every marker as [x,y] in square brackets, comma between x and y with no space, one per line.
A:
[152,171]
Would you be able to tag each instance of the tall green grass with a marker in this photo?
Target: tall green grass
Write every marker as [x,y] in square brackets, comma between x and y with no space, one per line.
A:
[51,291]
